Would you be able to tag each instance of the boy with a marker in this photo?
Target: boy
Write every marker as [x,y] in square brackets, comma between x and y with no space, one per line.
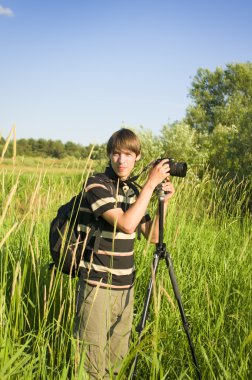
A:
[104,309]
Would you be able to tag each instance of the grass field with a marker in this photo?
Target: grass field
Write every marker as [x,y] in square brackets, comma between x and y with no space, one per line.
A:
[208,235]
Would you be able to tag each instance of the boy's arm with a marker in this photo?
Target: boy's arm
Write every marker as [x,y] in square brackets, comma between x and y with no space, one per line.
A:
[128,221]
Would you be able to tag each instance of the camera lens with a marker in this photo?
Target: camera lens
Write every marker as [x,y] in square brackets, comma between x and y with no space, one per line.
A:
[178,169]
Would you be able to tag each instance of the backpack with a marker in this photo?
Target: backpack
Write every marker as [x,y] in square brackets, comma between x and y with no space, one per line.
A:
[64,238]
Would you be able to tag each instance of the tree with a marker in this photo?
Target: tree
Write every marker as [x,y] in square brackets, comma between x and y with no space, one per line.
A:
[222,108]
[220,97]
[41,147]
[182,143]
[71,149]
[58,149]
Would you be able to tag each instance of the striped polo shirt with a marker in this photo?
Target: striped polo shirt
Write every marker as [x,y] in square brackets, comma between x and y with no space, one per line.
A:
[111,264]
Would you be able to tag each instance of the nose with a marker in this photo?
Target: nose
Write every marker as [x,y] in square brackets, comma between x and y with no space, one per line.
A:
[121,158]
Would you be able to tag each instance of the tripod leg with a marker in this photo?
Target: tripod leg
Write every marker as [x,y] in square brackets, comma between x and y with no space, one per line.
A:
[144,316]
[186,325]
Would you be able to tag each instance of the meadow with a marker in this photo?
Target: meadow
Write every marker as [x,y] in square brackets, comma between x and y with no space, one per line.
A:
[208,235]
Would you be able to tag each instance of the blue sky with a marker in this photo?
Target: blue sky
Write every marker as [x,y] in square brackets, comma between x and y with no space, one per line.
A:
[79,70]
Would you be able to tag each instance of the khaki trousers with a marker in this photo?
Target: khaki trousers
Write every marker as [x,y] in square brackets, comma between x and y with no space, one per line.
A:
[102,328]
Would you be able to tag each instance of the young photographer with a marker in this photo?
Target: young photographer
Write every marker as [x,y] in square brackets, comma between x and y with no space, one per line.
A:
[105,291]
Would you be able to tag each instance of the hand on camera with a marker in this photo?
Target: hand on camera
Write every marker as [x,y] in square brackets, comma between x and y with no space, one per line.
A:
[159,172]
[160,176]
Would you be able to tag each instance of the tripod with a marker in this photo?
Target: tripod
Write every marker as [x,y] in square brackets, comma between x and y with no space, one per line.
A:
[161,253]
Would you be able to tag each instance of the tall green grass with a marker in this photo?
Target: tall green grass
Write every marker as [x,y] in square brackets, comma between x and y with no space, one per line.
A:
[207,234]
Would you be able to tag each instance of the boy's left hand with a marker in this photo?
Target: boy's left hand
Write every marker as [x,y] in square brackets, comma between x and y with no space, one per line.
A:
[168,188]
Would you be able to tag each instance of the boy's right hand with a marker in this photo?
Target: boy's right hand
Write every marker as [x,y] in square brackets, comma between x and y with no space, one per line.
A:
[159,173]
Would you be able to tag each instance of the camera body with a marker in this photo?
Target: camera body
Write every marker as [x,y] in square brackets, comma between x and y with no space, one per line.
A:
[177,169]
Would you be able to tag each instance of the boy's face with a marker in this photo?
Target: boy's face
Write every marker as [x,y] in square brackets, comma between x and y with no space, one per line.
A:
[123,162]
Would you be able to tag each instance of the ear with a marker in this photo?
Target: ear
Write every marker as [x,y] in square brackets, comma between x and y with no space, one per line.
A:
[138,157]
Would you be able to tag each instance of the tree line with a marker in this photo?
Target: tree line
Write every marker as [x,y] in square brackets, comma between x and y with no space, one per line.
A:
[47,148]
[216,131]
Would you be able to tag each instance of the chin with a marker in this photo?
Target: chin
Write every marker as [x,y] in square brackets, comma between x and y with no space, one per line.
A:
[122,175]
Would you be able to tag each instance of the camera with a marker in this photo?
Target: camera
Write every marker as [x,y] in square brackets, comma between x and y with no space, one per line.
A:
[177,169]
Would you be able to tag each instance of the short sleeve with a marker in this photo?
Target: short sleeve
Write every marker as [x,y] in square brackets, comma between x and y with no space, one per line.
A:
[99,197]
